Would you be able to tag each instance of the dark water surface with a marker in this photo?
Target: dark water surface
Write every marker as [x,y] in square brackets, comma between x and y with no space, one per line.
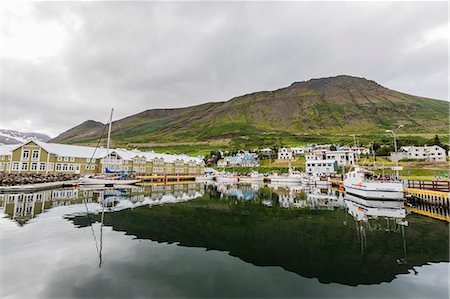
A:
[192,240]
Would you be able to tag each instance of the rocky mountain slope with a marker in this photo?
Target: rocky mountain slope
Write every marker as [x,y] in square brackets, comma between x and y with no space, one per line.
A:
[342,104]
[15,137]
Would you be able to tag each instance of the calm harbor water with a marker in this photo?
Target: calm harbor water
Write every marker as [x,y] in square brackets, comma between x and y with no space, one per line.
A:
[195,240]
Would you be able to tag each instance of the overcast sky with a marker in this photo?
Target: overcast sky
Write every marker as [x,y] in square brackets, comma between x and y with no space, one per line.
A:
[64,63]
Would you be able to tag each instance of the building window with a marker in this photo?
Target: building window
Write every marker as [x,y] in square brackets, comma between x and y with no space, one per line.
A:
[93,160]
[42,166]
[25,155]
[66,159]
[72,159]
[64,167]
[34,166]
[58,167]
[15,166]
[35,155]
[92,167]
[58,158]
[24,166]
[88,160]
[71,167]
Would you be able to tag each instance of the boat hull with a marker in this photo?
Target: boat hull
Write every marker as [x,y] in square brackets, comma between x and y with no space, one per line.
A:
[251,180]
[105,182]
[226,179]
[374,194]
[281,179]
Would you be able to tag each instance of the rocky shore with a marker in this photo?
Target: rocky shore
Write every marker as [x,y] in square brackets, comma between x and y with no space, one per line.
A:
[11,179]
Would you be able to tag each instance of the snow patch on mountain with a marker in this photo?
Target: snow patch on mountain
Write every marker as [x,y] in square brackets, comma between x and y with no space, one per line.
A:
[16,137]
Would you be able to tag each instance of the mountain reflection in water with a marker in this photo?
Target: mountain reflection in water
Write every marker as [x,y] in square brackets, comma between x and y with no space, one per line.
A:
[322,235]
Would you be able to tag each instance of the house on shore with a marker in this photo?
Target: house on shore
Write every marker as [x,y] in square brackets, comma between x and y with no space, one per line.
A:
[321,167]
[432,153]
[47,158]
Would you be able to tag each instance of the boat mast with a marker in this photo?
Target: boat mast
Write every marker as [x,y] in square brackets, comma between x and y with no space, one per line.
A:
[109,138]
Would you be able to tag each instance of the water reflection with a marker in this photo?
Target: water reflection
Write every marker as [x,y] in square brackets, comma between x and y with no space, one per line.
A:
[313,235]
[312,232]
[21,207]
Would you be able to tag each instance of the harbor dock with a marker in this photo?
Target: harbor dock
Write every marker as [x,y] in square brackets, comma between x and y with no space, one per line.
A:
[36,187]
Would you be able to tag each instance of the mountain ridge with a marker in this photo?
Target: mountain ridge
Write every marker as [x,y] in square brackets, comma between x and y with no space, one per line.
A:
[340,104]
[16,137]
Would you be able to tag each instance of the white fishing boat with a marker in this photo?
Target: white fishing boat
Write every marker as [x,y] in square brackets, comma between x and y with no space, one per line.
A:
[204,178]
[361,182]
[226,178]
[108,179]
[253,177]
[105,181]
[293,176]
[317,181]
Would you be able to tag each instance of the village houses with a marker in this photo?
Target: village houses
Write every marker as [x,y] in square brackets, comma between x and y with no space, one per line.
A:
[432,153]
[47,158]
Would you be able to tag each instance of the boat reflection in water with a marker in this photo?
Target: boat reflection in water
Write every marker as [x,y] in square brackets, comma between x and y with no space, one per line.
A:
[264,226]
[377,215]
[158,237]
[21,207]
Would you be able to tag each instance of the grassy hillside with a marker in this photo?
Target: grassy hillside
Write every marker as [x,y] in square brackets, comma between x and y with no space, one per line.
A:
[336,105]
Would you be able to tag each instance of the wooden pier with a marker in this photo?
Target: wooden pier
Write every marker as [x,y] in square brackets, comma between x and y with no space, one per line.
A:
[37,187]
[443,186]
[336,182]
[429,196]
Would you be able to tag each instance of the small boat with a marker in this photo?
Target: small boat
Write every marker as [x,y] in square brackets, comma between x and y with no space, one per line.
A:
[319,181]
[292,177]
[108,181]
[361,182]
[204,178]
[226,178]
[253,177]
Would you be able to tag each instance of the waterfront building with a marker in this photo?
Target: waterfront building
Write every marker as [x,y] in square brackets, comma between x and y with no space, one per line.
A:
[359,150]
[46,158]
[285,153]
[5,156]
[432,153]
[298,151]
[321,167]
[343,157]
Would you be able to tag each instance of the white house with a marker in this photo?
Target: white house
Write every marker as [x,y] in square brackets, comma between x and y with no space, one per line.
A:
[285,153]
[300,150]
[321,167]
[433,153]
[343,157]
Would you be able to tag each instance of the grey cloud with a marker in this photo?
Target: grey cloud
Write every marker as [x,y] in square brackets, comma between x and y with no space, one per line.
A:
[143,55]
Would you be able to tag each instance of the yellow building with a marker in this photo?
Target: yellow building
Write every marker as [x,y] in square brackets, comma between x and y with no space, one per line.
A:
[48,158]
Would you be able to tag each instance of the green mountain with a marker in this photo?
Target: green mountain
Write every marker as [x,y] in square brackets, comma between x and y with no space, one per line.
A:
[341,104]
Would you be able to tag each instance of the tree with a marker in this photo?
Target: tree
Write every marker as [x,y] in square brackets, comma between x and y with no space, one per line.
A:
[436,141]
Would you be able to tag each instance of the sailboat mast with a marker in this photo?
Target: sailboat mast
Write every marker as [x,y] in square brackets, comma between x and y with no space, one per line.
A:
[109,138]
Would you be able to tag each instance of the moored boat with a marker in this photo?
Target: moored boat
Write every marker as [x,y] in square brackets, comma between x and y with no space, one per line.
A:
[204,178]
[254,176]
[226,178]
[106,181]
[361,182]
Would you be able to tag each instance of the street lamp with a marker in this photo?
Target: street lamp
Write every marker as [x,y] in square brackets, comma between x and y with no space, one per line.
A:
[394,132]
